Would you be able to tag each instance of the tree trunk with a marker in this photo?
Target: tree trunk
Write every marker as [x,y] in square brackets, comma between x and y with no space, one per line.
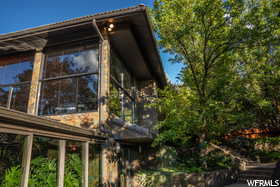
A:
[203,150]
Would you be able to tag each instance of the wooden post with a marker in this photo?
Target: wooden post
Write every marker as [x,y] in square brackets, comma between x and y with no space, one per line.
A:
[61,162]
[85,156]
[104,81]
[122,97]
[35,83]
[110,174]
[26,158]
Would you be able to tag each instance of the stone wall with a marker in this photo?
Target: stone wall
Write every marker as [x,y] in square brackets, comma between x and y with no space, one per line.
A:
[207,179]
[85,120]
[266,146]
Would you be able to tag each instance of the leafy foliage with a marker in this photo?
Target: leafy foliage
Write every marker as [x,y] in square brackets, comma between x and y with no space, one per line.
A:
[43,173]
[229,50]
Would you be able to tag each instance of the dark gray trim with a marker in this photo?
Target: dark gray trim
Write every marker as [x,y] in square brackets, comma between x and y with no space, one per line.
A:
[68,76]
[15,84]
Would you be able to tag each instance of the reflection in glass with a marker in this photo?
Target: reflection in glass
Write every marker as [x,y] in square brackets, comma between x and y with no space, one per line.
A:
[11,151]
[75,93]
[15,72]
[64,96]
[118,68]
[15,77]
[4,95]
[73,164]
[117,96]
[94,173]
[71,63]
[128,109]
[43,168]
[20,97]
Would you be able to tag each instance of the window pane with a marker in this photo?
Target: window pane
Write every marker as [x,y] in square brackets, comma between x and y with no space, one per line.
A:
[87,93]
[58,96]
[11,149]
[4,95]
[94,173]
[15,71]
[19,100]
[65,96]
[128,109]
[20,97]
[73,164]
[43,168]
[49,97]
[118,68]
[115,99]
[71,63]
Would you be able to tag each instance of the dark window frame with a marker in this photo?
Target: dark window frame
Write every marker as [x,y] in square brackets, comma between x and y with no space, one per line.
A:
[52,52]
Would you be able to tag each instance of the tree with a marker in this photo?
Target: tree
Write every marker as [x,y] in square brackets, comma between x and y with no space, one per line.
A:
[209,37]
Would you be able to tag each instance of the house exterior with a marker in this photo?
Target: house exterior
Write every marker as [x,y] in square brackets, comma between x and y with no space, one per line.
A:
[74,96]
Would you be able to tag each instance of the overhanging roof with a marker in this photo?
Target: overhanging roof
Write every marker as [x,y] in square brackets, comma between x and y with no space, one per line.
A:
[133,39]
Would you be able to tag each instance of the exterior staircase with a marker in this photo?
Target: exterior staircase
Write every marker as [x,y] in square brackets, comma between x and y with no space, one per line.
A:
[256,171]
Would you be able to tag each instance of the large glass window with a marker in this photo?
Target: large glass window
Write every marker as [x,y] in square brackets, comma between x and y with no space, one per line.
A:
[122,100]
[70,82]
[15,78]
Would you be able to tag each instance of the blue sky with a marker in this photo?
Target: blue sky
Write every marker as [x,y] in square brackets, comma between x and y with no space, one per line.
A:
[21,14]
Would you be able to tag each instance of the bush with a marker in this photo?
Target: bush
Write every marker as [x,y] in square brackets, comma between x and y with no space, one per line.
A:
[43,173]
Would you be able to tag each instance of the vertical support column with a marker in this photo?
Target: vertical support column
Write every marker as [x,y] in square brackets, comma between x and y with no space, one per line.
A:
[26,158]
[35,82]
[110,172]
[61,163]
[11,89]
[104,164]
[104,81]
[85,156]
[122,97]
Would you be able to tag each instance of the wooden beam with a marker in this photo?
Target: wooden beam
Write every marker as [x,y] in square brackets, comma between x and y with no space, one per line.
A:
[61,163]
[40,132]
[35,83]
[35,122]
[26,159]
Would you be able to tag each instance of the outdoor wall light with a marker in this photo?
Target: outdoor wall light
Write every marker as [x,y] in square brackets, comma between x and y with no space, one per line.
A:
[111,26]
